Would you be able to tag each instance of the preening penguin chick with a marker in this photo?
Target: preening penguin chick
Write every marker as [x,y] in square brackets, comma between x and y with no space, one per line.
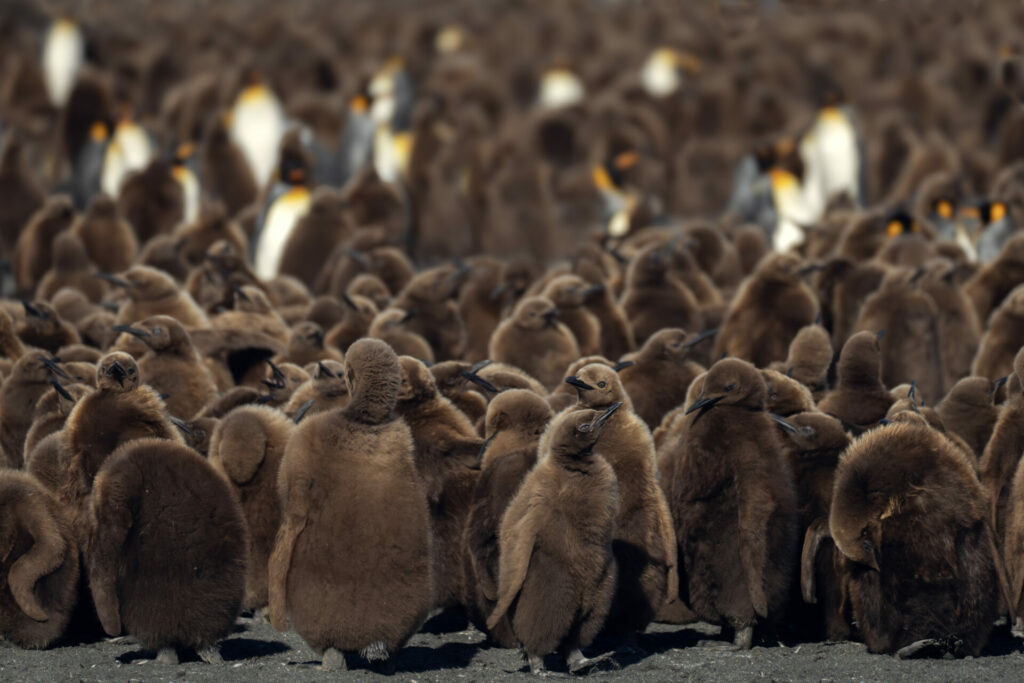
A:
[534,340]
[912,519]
[347,481]
[657,376]
[514,423]
[180,583]
[734,505]
[557,570]
[247,446]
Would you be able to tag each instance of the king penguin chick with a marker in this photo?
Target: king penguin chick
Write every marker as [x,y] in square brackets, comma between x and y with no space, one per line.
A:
[969,410]
[109,239]
[445,451]
[325,390]
[167,551]
[1003,337]
[657,376]
[533,340]
[557,571]
[33,252]
[154,292]
[998,462]
[347,481]
[172,366]
[644,542]
[22,194]
[769,310]
[911,518]
[28,380]
[306,345]
[40,565]
[354,324]
[247,446]
[654,299]
[71,268]
[44,329]
[390,327]
[569,293]
[860,399]
[809,359]
[515,421]
[734,505]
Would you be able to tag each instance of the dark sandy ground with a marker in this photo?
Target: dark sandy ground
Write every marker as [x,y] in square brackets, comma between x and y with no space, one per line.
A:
[255,652]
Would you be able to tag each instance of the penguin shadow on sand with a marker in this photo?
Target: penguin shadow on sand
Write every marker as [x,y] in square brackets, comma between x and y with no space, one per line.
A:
[235,648]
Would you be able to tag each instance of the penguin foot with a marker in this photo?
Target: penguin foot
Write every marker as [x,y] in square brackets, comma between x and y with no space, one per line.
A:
[537,665]
[210,655]
[333,660]
[744,638]
[167,655]
[1018,628]
[630,646]
[579,665]
[932,648]
[374,651]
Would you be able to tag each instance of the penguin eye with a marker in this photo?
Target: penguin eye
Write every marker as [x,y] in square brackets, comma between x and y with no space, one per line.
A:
[730,386]
[602,384]
[158,330]
[808,430]
[773,397]
[864,533]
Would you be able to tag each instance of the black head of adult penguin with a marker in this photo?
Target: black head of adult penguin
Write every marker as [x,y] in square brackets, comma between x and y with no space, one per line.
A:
[374,377]
[117,373]
[730,382]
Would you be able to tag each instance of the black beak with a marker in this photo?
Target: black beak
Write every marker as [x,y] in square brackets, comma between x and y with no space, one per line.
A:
[409,315]
[599,422]
[272,383]
[51,364]
[239,293]
[551,316]
[878,337]
[117,372]
[622,365]
[578,383]
[781,421]
[114,280]
[110,306]
[703,404]
[348,301]
[703,336]
[498,292]
[264,399]
[593,289]
[480,382]
[180,424]
[324,370]
[303,409]
[999,384]
[134,331]
[359,257]
[276,371]
[480,366]
[912,394]
[32,310]
[484,445]
[61,391]
[618,256]
[809,268]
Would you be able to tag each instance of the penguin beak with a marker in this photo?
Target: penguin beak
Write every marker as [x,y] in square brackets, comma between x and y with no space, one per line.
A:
[999,384]
[347,300]
[61,391]
[781,421]
[324,370]
[114,280]
[33,311]
[180,424]
[499,292]
[599,422]
[593,289]
[303,409]
[703,404]
[51,365]
[409,315]
[134,331]
[480,381]
[480,366]
[239,293]
[276,372]
[484,445]
[578,383]
[359,257]
[117,372]
[620,366]
[808,269]
[703,336]
[550,317]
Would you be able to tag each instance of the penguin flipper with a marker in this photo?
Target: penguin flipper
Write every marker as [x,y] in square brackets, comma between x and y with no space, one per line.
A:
[518,541]
[45,555]
[755,509]
[817,532]
[295,501]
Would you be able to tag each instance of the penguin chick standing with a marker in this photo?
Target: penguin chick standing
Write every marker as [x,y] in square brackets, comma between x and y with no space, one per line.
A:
[71,268]
[734,505]
[533,340]
[658,375]
[557,571]
[970,412]
[347,482]
[859,399]
[109,239]
[999,461]
[154,292]
[912,519]
[166,557]
[27,381]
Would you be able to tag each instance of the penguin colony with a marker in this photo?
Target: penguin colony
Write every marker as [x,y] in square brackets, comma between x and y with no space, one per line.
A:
[564,317]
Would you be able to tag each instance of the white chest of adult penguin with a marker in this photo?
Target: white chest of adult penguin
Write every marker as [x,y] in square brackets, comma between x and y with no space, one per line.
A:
[258,123]
[184,167]
[288,200]
[391,109]
[63,54]
[794,204]
[832,154]
[128,149]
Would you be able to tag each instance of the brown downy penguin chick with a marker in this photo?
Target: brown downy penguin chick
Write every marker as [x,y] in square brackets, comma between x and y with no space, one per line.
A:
[644,542]
[371,287]
[213,236]
[995,280]
[122,409]
[998,462]
[616,333]
[769,310]
[326,390]
[658,375]
[557,572]
[11,348]
[1004,335]
[44,329]
[784,395]
[654,299]
[809,359]
[446,447]
[566,395]
[306,345]
[860,399]
[533,340]
[154,292]
[280,384]
[22,194]
[812,444]
[247,447]
[108,239]
[1013,548]
[910,347]
[29,379]
[347,481]
[734,505]
[359,314]
[959,329]
[430,295]
[52,410]
[912,520]
[969,410]
[40,566]
[390,326]
[191,519]
[252,312]
[152,200]
[172,366]
[480,305]
[33,252]
[71,268]
[569,294]
[454,379]
[225,171]
[515,421]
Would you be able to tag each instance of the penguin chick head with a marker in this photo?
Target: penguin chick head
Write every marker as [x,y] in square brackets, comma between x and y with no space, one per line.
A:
[860,361]
[575,433]
[69,253]
[731,382]
[536,313]
[374,377]
[358,309]
[162,333]
[418,382]
[252,299]
[519,410]
[102,207]
[785,395]
[37,367]
[598,386]
[784,267]
[329,378]
[976,392]
[567,291]
[814,431]
[307,335]
[117,372]
[145,283]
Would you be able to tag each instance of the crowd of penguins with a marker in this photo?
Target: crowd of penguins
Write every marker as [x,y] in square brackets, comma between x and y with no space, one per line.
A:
[569,317]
